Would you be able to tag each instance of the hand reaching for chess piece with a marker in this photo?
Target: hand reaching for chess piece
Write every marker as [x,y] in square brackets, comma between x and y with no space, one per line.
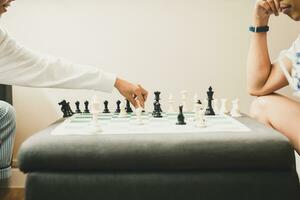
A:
[136,94]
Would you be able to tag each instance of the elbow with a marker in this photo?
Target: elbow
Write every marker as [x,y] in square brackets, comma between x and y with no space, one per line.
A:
[256,92]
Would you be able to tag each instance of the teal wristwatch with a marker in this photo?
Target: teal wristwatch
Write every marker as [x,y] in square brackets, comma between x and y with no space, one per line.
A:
[259,29]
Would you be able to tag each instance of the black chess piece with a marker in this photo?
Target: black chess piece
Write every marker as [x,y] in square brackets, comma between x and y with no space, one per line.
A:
[86,107]
[63,108]
[118,110]
[66,109]
[156,100]
[128,107]
[77,103]
[106,110]
[209,109]
[180,117]
[157,110]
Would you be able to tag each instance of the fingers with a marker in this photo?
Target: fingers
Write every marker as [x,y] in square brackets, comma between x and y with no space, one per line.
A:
[139,97]
[277,4]
[273,7]
[132,101]
[136,94]
[144,92]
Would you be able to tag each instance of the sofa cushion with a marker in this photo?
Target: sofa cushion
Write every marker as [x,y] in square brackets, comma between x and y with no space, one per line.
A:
[262,148]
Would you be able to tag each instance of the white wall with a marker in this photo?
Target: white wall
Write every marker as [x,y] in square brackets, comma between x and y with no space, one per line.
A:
[166,45]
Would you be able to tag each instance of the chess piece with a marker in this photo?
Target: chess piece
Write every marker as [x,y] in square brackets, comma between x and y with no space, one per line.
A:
[65,108]
[157,110]
[95,112]
[171,104]
[184,96]
[86,107]
[156,100]
[199,106]
[200,118]
[209,109]
[118,110]
[106,110]
[123,112]
[235,111]
[224,109]
[216,106]
[77,103]
[180,117]
[128,107]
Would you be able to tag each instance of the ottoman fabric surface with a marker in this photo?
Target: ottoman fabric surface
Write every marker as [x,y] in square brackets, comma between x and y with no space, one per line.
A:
[258,149]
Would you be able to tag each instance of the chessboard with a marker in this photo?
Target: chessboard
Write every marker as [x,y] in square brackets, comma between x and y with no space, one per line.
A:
[81,124]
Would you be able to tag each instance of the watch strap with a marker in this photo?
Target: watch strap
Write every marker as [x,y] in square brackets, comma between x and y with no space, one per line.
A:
[259,29]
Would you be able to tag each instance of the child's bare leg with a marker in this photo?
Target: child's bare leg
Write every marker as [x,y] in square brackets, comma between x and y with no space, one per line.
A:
[281,113]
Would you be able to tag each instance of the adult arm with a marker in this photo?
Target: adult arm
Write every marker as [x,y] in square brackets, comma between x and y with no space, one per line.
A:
[263,76]
[23,67]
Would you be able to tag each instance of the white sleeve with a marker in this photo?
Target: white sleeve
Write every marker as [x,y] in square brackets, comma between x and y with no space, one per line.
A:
[291,52]
[23,67]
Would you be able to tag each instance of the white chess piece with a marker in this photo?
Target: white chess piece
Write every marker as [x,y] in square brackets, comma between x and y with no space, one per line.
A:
[224,109]
[95,110]
[216,106]
[171,102]
[123,112]
[184,96]
[200,117]
[235,111]
[138,113]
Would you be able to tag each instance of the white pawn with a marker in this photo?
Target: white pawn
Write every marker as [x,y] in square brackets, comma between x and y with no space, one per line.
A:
[184,95]
[198,108]
[123,112]
[216,106]
[171,102]
[200,117]
[224,108]
[95,110]
[235,111]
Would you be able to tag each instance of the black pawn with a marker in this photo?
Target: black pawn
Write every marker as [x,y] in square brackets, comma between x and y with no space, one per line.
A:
[77,103]
[209,109]
[118,110]
[157,110]
[180,117]
[106,110]
[128,108]
[86,107]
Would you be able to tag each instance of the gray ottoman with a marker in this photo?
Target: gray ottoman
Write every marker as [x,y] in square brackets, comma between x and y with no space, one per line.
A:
[255,165]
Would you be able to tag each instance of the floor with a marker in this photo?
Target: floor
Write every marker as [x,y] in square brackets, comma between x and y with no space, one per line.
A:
[13,188]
